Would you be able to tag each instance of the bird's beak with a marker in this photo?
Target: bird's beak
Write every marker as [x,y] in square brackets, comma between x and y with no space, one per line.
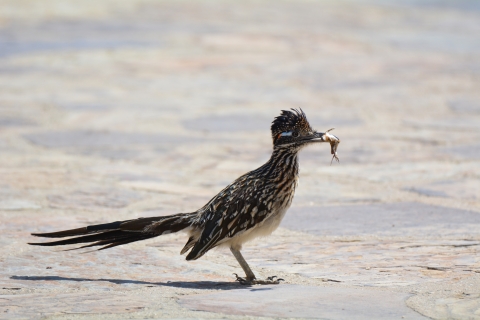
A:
[316,137]
[323,137]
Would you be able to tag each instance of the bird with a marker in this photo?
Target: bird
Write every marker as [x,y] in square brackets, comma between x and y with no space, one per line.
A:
[251,206]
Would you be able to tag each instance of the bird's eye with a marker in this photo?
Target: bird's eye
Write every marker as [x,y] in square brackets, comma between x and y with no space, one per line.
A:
[295,134]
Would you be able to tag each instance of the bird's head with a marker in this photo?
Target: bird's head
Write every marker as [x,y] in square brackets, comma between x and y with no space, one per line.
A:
[292,129]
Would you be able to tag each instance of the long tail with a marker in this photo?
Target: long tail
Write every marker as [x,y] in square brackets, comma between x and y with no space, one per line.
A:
[117,233]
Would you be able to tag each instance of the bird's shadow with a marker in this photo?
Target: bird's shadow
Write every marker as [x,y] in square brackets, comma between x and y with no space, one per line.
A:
[206,285]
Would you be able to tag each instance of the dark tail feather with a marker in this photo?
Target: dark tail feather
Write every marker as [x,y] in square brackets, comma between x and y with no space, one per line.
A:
[117,233]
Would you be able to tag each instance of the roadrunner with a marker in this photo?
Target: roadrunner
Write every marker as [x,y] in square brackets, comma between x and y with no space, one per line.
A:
[251,206]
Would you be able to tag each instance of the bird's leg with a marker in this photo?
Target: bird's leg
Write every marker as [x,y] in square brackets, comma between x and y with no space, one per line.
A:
[246,268]
[249,276]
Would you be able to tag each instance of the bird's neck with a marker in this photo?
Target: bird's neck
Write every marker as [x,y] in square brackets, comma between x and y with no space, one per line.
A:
[283,164]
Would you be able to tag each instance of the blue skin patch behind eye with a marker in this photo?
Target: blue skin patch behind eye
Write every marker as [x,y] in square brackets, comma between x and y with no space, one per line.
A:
[286,134]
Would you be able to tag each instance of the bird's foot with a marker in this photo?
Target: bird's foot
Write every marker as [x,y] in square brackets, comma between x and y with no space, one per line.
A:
[249,282]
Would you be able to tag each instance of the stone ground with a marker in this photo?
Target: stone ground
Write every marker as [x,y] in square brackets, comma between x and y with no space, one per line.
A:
[113,110]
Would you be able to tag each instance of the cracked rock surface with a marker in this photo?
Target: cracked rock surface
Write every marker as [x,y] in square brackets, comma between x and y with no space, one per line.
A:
[114,110]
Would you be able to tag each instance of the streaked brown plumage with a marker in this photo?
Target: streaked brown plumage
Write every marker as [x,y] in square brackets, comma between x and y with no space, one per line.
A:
[253,205]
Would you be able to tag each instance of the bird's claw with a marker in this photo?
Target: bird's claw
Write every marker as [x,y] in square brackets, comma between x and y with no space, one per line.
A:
[272,278]
[241,280]
[269,280]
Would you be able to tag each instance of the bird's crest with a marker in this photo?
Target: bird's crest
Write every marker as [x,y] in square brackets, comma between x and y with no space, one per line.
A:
[289,122]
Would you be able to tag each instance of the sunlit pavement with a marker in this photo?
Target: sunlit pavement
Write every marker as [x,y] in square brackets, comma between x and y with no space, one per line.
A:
[113,110]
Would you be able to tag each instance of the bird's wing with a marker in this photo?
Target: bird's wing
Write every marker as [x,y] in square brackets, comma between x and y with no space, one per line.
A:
[237,213]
